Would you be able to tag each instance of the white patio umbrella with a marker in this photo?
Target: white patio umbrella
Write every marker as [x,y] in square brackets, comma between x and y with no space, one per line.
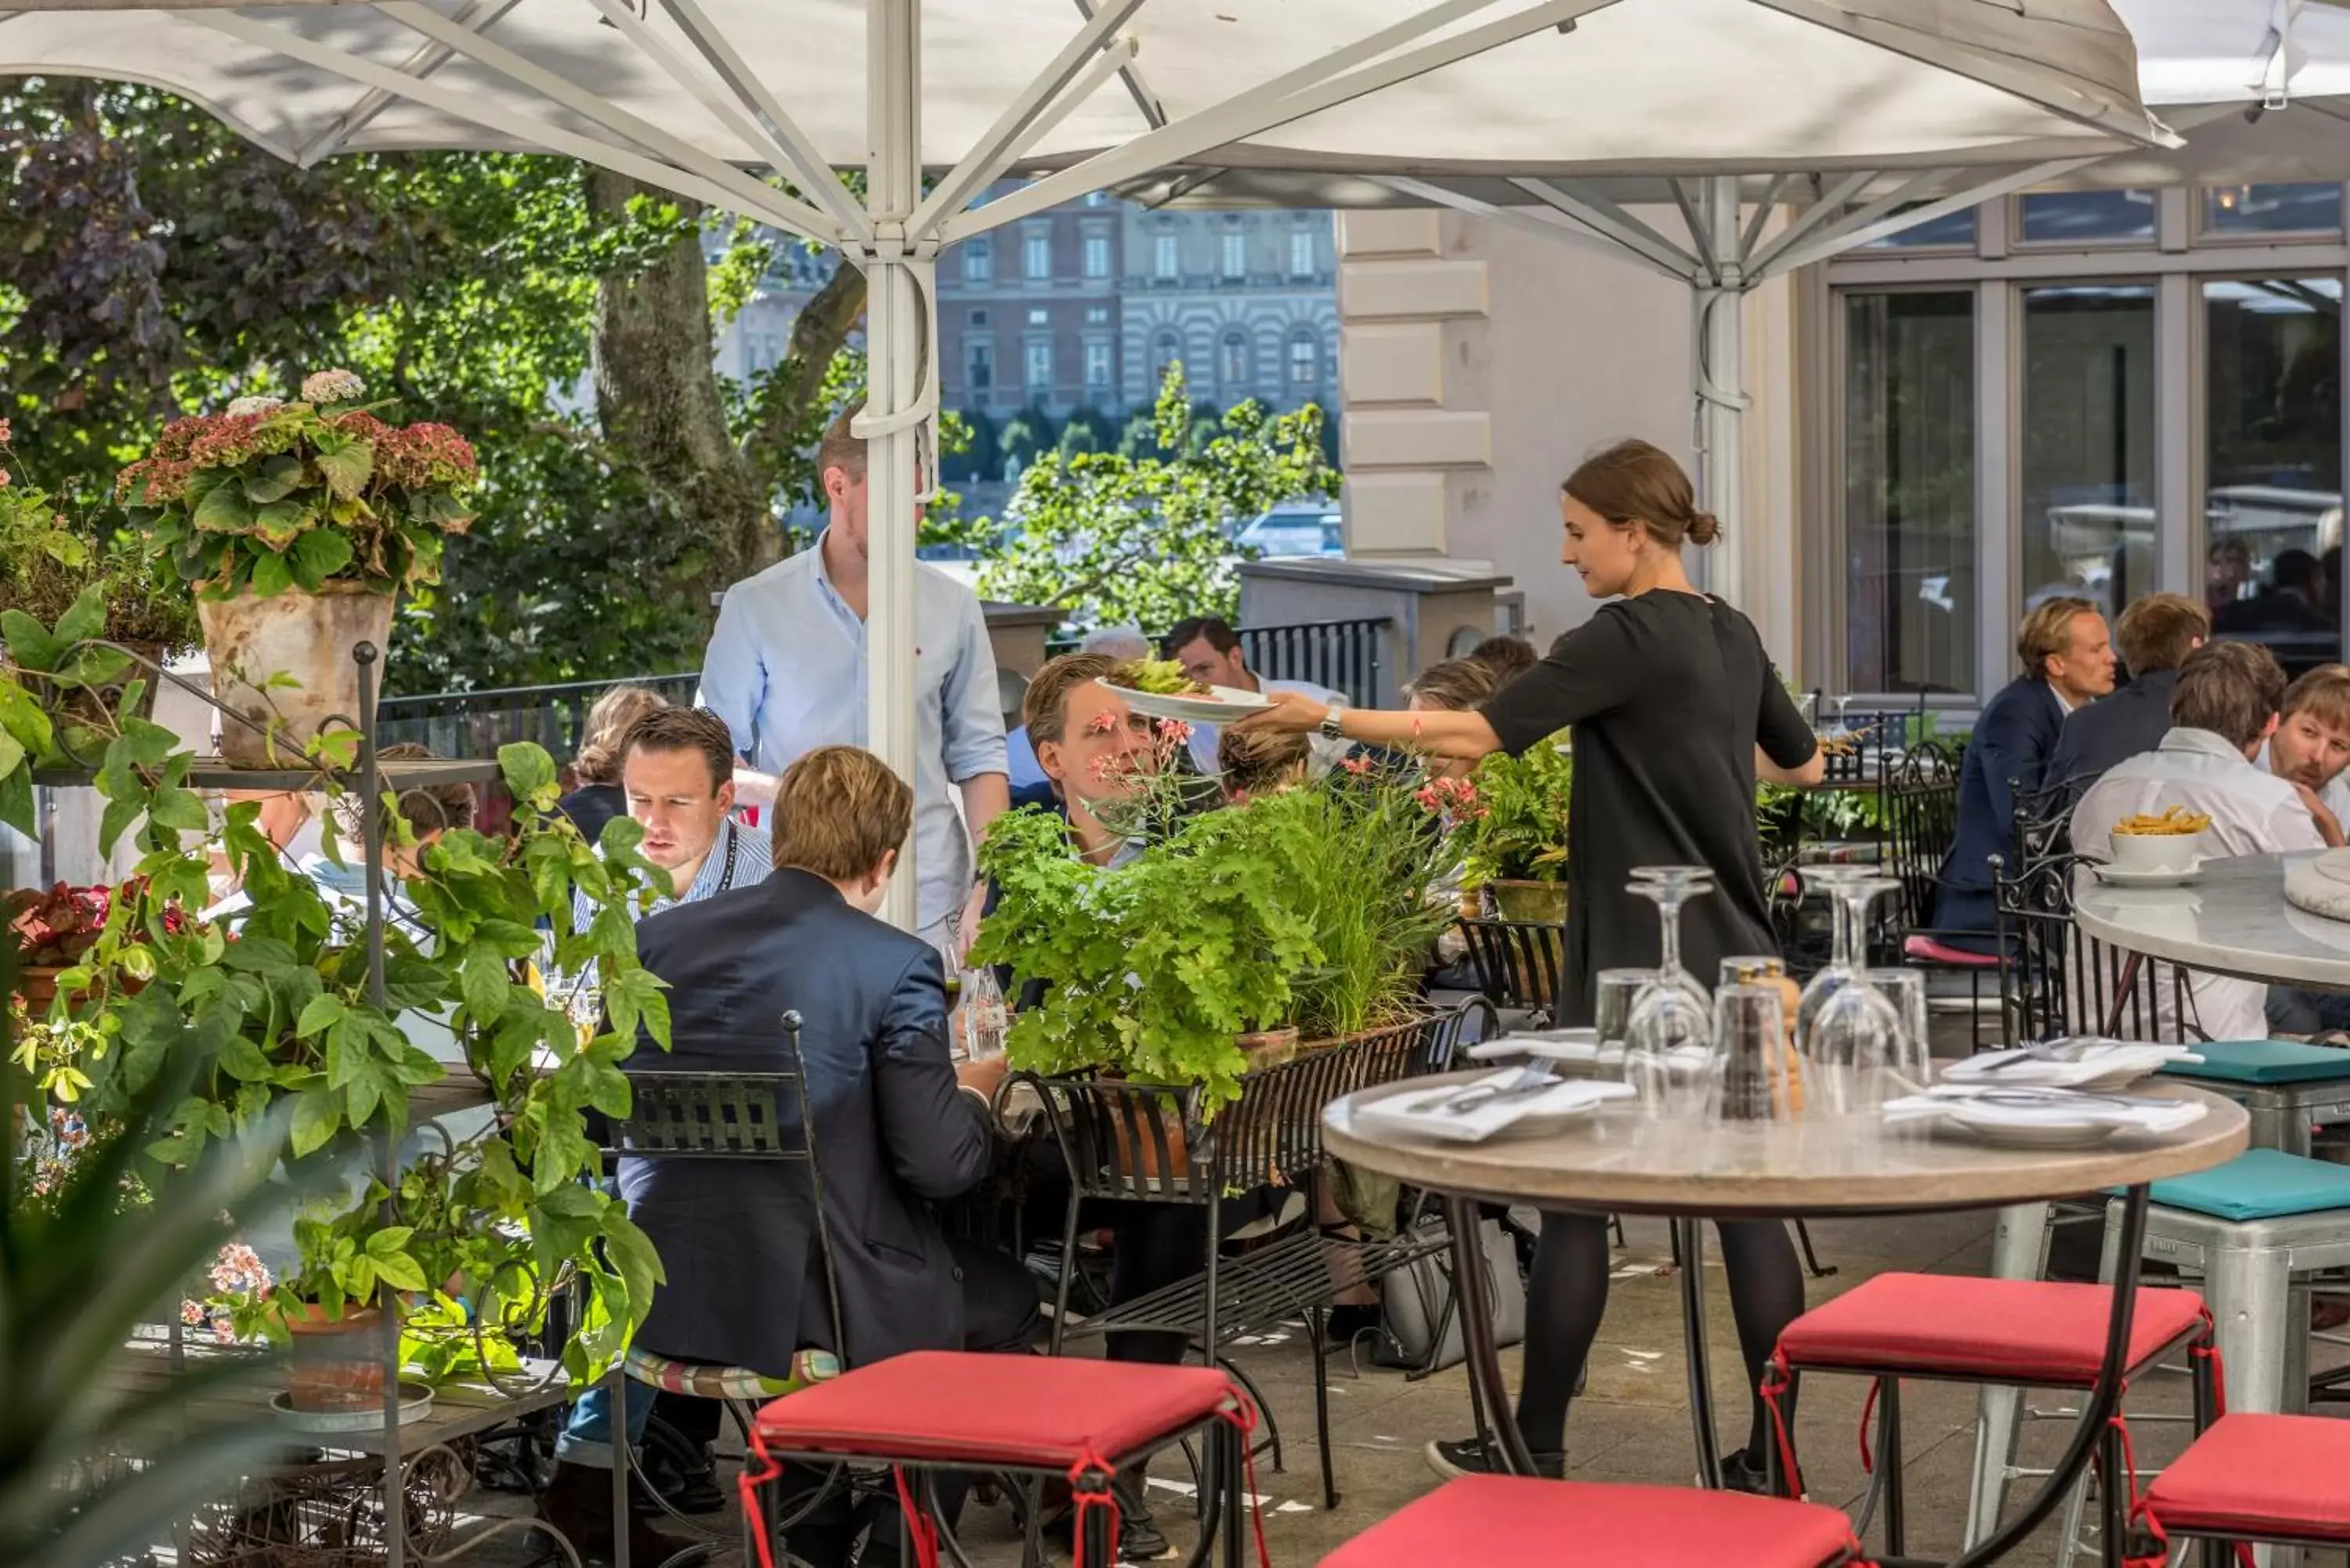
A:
[701,97]
[2251,84]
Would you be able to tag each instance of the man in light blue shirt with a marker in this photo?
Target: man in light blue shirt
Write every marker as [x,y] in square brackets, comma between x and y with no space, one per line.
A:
[785,670]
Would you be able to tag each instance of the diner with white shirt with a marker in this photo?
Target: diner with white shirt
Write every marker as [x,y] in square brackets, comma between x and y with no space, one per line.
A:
[2224,712]
[1209,650]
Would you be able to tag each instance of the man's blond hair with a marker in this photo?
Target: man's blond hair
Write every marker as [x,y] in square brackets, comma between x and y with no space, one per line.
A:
[2325,691]
[838,810]
[2047,632]
[841,449]
[1045,709]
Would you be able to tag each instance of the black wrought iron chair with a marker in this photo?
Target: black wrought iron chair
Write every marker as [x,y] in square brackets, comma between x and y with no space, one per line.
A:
[2060,982]
[1157,1144]
[763,1116]
[1518,965]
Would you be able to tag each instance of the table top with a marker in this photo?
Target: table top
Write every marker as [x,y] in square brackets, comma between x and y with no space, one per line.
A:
[2231,920]
[1620,1161]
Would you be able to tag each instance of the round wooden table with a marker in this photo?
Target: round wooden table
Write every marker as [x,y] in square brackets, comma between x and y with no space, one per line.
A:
[1619,1161]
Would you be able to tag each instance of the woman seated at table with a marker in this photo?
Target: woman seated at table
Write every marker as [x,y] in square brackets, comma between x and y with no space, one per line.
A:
[1675,709]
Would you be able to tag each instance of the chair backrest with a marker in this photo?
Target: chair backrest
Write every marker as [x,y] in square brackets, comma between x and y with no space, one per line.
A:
[1921,819]
[1518,962]
[732,1116]
[2042,826]
[2060,982]
[1151,1142]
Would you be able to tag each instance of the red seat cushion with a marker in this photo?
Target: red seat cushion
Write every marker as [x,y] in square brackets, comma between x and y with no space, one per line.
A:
[1045,1411]
[1478,1522]
[2011,1331]
[2269,1475]
[1926,950]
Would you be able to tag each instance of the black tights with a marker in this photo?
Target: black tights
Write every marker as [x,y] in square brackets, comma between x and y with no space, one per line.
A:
[1567,1294]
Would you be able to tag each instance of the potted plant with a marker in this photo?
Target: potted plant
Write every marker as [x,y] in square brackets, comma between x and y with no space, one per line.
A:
[298,525]
[1514,843]
[48,562]
[1305,909]
[481,1233]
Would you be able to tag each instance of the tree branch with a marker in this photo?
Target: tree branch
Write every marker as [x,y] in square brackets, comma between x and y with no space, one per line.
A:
[818,333]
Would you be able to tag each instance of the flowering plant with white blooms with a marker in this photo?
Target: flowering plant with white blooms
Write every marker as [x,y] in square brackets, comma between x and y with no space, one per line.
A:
[269,495]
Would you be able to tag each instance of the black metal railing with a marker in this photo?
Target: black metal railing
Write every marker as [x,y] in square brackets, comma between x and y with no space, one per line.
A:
[476,723]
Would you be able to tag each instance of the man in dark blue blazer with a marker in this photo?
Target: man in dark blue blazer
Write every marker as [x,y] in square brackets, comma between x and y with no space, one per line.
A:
[2068,662]
[2154,636]
[898,1126]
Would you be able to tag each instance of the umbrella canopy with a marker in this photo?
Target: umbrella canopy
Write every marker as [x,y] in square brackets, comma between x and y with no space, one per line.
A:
[703,97]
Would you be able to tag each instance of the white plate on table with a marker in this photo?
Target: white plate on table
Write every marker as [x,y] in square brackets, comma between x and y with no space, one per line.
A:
[2151,876]
[2128,1063]
[1416,1112]
[2002,1127]
[1221,704]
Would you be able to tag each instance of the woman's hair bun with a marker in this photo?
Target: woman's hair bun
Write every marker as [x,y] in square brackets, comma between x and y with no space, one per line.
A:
[1704,528]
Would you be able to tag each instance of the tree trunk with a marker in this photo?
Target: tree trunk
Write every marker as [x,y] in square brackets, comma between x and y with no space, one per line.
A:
[658,398]
[657,395]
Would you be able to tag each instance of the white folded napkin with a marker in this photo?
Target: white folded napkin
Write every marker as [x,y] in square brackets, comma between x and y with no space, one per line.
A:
[1989,1103]
[2095,1062]
[1687,1059]
[1423,1113]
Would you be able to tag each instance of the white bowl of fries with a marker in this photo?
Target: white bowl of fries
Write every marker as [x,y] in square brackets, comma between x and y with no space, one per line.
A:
[2169,842]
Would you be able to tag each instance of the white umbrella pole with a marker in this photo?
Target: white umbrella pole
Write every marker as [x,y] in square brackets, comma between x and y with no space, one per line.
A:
[894,320]
[1720,388]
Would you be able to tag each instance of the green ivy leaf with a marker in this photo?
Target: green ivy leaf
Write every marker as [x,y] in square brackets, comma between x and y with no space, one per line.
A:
[272,574]
[223,510]
[320,553]
[632,1253]
[483,981]
[323,1009]
[87,616]
[530,774]
[317,1113]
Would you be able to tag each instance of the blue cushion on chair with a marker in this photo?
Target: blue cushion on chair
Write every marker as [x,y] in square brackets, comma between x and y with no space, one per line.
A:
[2263,1062]
[2260,1184]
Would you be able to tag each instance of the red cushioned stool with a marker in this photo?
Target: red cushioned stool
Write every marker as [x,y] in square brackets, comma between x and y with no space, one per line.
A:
[1479,1522]
[1959,1329]
[1040,1416]
[2279,1480]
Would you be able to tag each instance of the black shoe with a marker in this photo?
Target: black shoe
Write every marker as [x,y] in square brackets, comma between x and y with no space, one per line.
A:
[1745,1471]
[1139,1539]
[1471,1456]
[578,1504]
[681,1474]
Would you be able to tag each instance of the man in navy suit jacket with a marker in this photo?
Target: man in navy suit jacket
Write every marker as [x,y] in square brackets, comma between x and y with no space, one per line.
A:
[2068,661]
[2154,637]
[898,1127]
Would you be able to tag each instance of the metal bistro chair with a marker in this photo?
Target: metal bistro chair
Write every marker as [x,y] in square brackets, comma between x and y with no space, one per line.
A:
[2058,982]
[732,1116]
[1518,965]
[1152,1144]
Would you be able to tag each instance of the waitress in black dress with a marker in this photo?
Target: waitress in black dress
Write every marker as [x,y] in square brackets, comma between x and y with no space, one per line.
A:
[1676,710]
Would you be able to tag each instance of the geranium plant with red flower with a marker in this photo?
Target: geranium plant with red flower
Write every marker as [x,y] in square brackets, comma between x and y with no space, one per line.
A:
[268,496]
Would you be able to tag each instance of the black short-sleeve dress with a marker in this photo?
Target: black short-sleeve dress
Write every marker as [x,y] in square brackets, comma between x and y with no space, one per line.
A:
[1667,695]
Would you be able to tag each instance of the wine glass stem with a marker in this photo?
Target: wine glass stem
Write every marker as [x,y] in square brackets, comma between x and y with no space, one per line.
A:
[1850,928]
[1668,924]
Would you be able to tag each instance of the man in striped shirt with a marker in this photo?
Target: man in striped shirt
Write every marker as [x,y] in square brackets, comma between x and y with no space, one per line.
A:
[677,769]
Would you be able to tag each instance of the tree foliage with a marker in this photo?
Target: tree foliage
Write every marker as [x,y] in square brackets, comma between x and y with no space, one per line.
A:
[1145,538]
[157,265]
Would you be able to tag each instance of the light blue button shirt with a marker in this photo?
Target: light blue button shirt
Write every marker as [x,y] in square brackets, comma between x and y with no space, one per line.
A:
[1204,736]
[785,670]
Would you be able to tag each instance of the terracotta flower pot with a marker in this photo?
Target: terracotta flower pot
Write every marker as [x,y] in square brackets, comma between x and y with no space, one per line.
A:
[37,986]
[1519,900]
[1269,1047]
[305,638]
[337,1363]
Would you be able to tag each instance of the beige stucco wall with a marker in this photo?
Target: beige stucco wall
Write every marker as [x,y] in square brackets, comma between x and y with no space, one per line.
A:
[1479,362]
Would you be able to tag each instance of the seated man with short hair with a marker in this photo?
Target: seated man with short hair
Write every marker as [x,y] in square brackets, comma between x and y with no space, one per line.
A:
[2224,707]
[898,1127]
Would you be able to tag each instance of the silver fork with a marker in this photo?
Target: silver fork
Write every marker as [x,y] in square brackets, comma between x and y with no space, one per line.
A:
[1529,1080]
[2071,1050]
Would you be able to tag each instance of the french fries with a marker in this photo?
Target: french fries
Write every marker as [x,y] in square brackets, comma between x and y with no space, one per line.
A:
[2176,820]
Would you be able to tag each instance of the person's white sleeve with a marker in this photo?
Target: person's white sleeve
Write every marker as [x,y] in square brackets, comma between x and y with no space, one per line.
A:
[2291,828]
[973,719]
[734,673]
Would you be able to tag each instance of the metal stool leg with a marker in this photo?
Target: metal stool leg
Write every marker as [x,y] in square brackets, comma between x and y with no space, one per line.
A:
[2249,1294]
[2017,1249]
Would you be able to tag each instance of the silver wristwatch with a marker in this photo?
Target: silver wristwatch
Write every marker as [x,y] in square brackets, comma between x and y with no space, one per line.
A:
[1331,719]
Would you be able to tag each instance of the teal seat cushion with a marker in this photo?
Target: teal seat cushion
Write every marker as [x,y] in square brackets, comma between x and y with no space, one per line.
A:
[2260,1184]
[2263,1062]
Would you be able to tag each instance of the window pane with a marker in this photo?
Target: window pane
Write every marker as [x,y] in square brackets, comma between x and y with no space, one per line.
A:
[2072,216]
[1165,256]
[2088,443]
[1096,255]
[1951,229]
[1909,498]
[1037,250]
[1040,364]
[2272,519]
[1235,257]
[2271,209]
[978,259]
[1301,253]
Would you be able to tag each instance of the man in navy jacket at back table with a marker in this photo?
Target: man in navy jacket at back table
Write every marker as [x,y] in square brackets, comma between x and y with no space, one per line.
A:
[2154,636]
[2068,662]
